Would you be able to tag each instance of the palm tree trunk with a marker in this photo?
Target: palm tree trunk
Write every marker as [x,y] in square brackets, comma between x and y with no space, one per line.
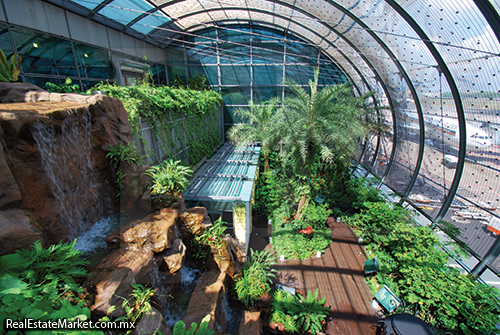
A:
[266,163]
[302,203]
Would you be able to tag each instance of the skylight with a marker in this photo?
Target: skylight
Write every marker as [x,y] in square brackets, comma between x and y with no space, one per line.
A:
[150,22]
[124,11]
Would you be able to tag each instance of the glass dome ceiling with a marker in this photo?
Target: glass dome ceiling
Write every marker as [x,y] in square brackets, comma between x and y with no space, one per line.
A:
[435,63]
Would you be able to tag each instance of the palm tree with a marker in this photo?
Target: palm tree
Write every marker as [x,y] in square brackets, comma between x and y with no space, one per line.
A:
[319,126]
[260,127]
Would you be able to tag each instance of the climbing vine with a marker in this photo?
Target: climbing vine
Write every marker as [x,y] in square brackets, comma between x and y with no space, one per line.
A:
[179,116]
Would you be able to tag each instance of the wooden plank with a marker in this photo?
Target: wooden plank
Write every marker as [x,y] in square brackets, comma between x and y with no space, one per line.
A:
[340,278]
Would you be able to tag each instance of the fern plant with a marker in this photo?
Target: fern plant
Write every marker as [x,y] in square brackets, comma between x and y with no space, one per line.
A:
[169,177]
[180,328]
[299,313]
[39,284]
[138,304]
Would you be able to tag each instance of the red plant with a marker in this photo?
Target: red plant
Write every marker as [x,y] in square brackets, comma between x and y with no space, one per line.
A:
[307,231]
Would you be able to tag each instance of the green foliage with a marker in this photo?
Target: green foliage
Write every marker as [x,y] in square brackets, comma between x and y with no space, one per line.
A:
[180,328]
[124,153]
[159,102]
[138,304]
[67,87]
[199,83]
[39,284]
[414,266]
[204,147]
[254,280]
[260,126]
[289,238]
[299,313]
[169,177]
[9,71]
[212,236]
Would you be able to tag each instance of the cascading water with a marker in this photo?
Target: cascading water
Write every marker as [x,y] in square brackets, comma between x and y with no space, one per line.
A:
[66,160]
[176,308]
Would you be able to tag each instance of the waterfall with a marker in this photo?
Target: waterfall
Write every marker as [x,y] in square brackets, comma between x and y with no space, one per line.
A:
[66,160]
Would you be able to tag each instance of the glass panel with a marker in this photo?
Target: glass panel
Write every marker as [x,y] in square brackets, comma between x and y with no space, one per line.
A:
[177,73]
[40,81]
[236,95]
[162,78]
[90,4]
[124,11]
[263,93]
[175,55]
[235,34]
[210,72]
[330,74]
[44,54]
[301,74]
[150,22]
[267,52]
[93,62]
[235,75]
[268,74]
[5,41]
[229,116]
[232,53]
[202,54]
[301,53]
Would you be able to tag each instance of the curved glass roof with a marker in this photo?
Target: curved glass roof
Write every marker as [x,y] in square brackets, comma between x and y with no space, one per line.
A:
[436,63]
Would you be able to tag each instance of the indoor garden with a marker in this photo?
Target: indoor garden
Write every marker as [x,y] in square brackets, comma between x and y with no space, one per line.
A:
[263,167]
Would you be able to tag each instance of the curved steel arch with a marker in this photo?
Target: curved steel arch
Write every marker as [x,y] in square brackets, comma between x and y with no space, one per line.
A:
[458,104]
[379,79]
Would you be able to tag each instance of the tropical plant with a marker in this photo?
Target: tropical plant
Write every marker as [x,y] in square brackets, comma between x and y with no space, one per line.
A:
[9,71]
[414,266]
[324,124]
[138,304]
[169,177]
[260,126]
[212,236]
[299,313]
[39,284]
[254,280]
[66,87]
[124,153]
[180,328]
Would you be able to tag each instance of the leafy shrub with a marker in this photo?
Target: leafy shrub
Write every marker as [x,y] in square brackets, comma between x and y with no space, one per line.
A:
[414,266]
[254,281]
[124,153]
[138,304]
[169,177]
[39,284]
[66,87]
[298,313]
[9,71]
[212,236]
[180,328]
[301,239]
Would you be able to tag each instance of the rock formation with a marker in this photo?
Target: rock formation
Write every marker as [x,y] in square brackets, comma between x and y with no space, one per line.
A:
[25,183]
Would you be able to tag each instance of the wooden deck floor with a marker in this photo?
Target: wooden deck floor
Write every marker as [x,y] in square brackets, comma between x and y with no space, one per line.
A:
[339,276]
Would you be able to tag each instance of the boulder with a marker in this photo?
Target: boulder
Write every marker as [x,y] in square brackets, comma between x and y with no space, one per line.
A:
[251,323]
[152,323]
[139,262]
[18,230]
[19,92]
[155,232]
[174,256]
[194,221]
[207,299]
[112,285]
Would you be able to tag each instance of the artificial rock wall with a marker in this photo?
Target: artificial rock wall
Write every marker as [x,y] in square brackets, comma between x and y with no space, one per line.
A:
[49,189]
